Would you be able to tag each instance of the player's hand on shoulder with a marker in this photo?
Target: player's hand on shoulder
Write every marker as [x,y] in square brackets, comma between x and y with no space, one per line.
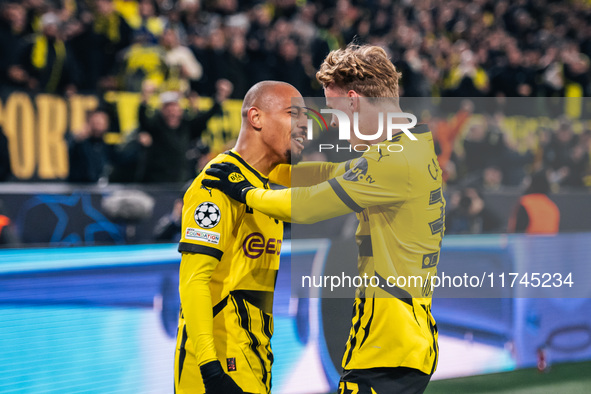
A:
[230,180]
[217,381]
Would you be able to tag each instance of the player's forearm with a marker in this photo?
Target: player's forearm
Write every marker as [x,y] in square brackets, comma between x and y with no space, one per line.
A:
[305,174]
[274,203]
[195,274]
[304,205]
[313,173]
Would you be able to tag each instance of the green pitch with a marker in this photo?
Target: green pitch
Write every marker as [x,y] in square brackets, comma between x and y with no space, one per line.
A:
[568,378]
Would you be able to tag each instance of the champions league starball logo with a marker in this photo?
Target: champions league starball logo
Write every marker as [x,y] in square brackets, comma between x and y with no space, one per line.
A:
[207,215]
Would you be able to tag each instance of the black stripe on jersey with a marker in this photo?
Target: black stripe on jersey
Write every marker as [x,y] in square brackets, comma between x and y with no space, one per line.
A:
[267,324]
[259,298]
[249,168]
[220,305]
[368,326]
[266,319]
[356,326]
[242,310]
[182,352]
[342,194]
[396,291]
[200,249]
[433,331]
[365,248]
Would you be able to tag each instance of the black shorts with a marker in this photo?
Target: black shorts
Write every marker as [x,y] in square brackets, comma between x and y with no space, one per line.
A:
[400,380]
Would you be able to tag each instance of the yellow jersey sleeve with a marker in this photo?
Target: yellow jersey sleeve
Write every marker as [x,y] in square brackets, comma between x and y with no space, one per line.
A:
[195,274]
[209,220]
[308,173]
[281,175]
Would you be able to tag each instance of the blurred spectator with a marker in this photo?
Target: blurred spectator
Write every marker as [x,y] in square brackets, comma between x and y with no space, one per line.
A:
[467,79]
[167,133]
[182,65]
[150,25]
[8,235]
[445,133]
[112,34]
[514,79]
[213,57]
[142,61]
[290,68]
[90,157]
[415,72]
[237,68]
[13,23]
[481,148]
[46,64]
[492,179]
[561,152]
[536,213]
[168,228]
[5,171]
[469,215]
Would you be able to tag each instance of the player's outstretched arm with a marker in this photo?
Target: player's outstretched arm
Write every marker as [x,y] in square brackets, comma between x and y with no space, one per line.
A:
[307,174]
[195,274]
[312,204]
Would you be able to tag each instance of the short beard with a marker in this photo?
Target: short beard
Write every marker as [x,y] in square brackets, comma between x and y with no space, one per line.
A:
[292,159]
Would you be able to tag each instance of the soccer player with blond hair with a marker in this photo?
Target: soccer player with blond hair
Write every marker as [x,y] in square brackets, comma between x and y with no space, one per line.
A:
[396,193]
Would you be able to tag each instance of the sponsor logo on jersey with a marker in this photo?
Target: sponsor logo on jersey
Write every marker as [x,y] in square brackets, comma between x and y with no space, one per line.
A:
[255,245]
[357,173]
[202,235]
[207,215]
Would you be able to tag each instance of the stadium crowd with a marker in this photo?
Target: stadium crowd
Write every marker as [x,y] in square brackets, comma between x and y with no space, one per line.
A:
[483,48]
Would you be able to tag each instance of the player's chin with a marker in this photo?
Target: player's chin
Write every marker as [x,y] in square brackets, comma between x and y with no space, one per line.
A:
[296,151]
[293,156]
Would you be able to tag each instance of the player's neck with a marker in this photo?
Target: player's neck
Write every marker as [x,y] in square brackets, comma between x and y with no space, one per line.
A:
[255,158]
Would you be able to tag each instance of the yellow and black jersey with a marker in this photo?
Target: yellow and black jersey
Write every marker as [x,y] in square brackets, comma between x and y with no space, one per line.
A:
[400,206]
[395,188]
[245,246]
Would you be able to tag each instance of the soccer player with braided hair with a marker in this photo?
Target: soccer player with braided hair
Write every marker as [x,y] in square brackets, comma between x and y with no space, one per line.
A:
[396,193]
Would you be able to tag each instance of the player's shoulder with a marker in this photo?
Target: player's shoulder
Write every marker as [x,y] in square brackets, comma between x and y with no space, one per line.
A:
[197,187]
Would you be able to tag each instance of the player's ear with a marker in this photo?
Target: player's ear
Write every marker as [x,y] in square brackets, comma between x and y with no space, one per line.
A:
[254,116]
[353,100]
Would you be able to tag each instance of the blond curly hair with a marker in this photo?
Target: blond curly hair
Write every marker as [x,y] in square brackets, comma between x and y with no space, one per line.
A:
[365,69]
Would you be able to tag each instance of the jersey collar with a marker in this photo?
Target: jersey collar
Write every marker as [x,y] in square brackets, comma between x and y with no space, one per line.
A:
[237,156]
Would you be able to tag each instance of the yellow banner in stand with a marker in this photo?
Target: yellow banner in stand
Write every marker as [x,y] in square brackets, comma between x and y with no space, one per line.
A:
[36,128]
